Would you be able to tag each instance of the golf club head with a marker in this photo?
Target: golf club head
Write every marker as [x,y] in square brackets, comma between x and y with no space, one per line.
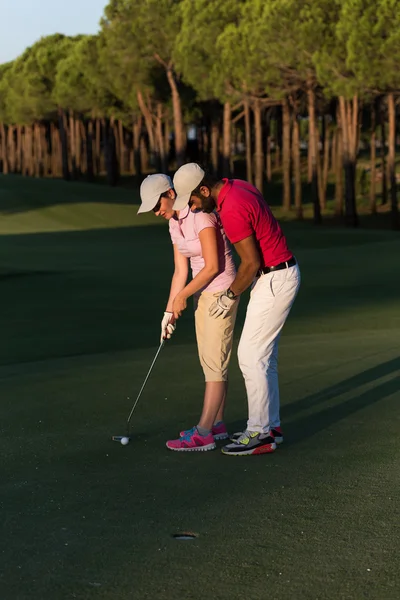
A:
[118,438]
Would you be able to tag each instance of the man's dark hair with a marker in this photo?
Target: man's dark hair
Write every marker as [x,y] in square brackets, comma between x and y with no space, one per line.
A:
[209,180]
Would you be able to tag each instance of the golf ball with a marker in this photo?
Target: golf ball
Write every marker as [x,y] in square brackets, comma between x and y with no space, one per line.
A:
[124,441]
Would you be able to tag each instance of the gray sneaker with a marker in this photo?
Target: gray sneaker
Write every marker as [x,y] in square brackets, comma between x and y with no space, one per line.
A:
[276,433]
[251,442]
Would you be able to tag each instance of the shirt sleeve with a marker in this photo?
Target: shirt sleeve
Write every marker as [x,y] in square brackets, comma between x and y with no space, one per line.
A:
[237,222]
[204,220]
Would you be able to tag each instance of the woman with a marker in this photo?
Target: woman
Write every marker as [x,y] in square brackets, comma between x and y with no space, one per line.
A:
[197,238]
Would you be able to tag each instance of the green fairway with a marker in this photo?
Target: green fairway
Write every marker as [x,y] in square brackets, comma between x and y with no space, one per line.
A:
[84,283]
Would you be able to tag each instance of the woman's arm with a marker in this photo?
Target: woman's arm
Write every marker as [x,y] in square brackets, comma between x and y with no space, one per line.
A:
[179,277]
[209,250]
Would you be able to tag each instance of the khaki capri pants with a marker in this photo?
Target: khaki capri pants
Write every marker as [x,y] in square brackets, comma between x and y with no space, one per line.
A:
[214,337]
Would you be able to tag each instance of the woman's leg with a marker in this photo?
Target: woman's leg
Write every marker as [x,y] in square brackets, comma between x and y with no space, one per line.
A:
[214,396]
[221,410]
[215,337]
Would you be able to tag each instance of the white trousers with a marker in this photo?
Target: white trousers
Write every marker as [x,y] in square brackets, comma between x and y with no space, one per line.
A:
[270,302]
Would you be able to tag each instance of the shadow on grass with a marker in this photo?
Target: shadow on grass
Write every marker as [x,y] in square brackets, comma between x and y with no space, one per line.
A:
[310,425]
[305,427]
[347,385]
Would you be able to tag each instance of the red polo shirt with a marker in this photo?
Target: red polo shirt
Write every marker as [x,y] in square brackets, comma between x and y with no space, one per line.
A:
[244,212]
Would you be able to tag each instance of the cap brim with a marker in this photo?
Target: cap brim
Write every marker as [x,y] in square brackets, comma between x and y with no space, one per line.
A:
[148,205]
[181,201]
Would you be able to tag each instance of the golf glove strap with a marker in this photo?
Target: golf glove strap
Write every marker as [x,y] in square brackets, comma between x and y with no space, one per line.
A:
[222,306]
[167,328]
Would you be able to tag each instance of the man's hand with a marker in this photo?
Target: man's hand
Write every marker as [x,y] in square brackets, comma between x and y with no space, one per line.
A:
[222,306]
[167,326]
[179,305]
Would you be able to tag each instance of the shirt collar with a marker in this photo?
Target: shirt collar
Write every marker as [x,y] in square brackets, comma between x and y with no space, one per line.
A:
[184,213]
[223,192]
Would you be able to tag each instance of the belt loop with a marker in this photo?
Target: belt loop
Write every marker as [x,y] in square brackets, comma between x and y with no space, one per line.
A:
[287,264]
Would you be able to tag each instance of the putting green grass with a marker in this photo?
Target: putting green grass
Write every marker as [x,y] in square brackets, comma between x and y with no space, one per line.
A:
[86,518]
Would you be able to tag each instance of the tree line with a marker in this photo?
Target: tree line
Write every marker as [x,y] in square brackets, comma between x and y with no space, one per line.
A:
[288,85]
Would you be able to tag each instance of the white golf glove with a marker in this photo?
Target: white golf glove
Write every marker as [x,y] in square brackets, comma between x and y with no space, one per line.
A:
[167,328]
[222,306]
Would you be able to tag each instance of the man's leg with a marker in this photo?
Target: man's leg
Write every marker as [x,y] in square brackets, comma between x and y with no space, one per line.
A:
[270,303]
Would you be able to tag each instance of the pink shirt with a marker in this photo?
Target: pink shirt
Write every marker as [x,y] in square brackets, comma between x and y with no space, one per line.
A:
[184,233]
[244,212]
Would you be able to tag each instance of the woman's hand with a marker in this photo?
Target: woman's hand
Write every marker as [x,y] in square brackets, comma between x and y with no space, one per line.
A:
[179,305]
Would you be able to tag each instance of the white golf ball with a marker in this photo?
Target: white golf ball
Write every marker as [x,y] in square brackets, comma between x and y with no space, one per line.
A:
[124,441]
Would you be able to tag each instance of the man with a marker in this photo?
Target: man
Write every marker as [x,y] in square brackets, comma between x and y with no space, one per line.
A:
[268,265]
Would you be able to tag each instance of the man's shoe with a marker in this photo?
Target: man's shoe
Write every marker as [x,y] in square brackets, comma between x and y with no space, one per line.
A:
[251,442]
[275,432]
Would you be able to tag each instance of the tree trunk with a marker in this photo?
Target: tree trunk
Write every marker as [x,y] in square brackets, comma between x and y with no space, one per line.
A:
[349,120]
[206,145]
[278,138]
[121,139]
[268,163]
[325,169]
[144,156]
[23,151]
[78,147]
[286,155]
[62,124]
[178,120]
[37,149]
[383,155]
[110,152]
[19,149]
[45,145]
[89,150]
[160,138]
[30,157]
[339,173]
[312,142]
[332,167]
[226,149]
[148,120]
[72,145]
[97,155]
[11,149]
[310,156]
[137,130]
[54,151]
[372,186]
[320,142]
[249,170]
[4,157]
[167,135]
[259,155]
[392,162]
[214,146]
[297,168]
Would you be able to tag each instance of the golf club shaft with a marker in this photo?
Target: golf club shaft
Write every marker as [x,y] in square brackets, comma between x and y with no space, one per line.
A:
[144,383]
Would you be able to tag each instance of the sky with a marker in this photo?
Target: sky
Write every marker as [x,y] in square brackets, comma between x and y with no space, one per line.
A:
[23,22]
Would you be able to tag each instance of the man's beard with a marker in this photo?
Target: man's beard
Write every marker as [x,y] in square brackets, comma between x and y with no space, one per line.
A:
[207,202]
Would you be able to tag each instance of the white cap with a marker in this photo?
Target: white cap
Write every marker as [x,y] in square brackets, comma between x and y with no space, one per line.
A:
[186,179]
[151,189]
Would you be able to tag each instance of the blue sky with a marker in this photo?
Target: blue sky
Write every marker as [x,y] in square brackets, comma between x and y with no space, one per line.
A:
[23,22]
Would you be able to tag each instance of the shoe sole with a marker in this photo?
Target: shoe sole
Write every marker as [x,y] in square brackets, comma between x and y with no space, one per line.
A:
[221,436]
[267,449]
[196,449]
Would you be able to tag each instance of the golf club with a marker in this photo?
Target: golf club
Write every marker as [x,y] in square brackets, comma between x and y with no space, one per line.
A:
[118,438]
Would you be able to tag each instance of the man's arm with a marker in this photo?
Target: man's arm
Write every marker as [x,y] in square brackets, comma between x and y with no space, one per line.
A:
[249,264]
